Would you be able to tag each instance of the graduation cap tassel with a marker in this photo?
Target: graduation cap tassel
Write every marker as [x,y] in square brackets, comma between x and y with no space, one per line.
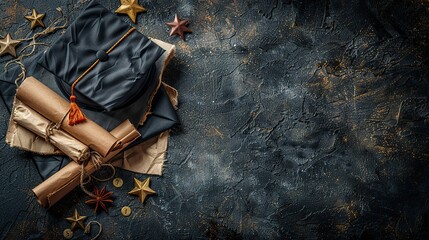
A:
[76,115]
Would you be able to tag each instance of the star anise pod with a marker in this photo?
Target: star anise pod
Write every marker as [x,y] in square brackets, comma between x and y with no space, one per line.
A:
[101,198]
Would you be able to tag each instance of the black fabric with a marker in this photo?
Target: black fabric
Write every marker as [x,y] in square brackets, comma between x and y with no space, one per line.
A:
[129,65]
[163,115]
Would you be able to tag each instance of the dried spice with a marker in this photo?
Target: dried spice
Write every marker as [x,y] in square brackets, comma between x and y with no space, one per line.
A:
[100,199]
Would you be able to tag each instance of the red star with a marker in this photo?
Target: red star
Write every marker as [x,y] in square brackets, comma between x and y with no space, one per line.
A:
[101,199]
[179,27]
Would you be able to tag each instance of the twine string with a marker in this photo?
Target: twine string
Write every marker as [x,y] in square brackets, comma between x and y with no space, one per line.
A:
[97,160]
[50,29]
[88,229]
[49,131]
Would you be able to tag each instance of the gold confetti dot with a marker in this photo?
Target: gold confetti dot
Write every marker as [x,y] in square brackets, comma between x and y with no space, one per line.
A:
[118,182]
[126,211]
[68,233]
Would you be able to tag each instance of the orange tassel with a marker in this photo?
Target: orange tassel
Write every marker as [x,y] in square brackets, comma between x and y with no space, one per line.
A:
[76,115]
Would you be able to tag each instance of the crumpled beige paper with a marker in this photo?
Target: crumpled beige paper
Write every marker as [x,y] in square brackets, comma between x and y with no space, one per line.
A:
[148,157]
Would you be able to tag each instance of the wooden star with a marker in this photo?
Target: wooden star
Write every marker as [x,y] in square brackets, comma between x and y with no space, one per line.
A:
[76,220]
[101,199]
[142,189]
[7,45]
[36,19]
[179,27]
[131,8]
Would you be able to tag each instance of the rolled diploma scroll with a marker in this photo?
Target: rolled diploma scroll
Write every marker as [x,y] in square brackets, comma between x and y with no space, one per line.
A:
[53,107]
[36,123]
[62,182]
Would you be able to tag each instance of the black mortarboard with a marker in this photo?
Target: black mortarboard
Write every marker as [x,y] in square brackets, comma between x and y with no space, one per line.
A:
[111,65]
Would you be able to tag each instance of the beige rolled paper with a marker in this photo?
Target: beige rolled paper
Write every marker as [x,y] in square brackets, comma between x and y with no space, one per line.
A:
[62,182]
[36,123]
[21,138]
[53,107]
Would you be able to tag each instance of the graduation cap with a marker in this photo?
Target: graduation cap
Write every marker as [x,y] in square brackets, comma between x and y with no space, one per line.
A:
[103,64]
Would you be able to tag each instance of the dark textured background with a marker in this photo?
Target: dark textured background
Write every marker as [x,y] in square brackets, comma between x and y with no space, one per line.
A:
[301,120]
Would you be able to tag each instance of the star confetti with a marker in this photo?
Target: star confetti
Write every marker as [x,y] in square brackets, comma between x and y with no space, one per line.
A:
[76,220]
[179,27]
[131,8]
[7,45]
[101,199]
[36,19]
[142,189]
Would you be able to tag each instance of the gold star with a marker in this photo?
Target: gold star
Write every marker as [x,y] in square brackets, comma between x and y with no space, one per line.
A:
[131,8]
[36,19]
[7,45]
[76,220]
[142,189]
[179,27]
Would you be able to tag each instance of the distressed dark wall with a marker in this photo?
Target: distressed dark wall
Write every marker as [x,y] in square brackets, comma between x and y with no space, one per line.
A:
[301,120]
